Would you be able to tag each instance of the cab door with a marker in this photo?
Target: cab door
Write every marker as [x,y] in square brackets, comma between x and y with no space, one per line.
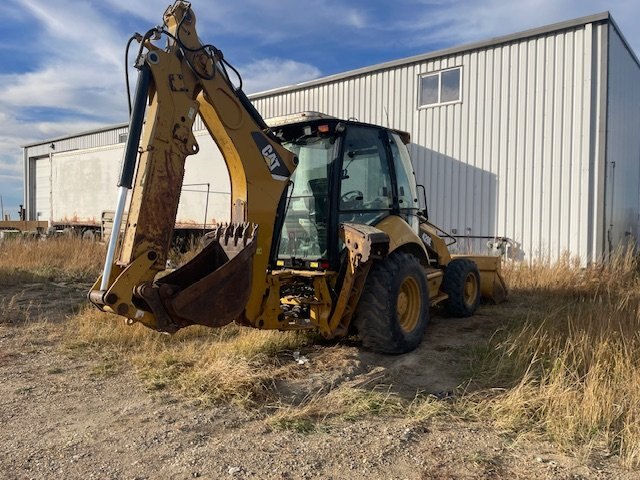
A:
[407,194]
[366,186]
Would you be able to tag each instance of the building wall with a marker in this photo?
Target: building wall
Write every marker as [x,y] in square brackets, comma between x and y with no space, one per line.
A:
[521,156]
[513,158]
[622,192]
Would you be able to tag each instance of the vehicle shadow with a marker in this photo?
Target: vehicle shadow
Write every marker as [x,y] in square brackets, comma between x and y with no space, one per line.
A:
[441,366]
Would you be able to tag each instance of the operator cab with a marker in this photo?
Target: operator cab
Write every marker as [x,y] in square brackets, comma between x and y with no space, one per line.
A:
[348,171]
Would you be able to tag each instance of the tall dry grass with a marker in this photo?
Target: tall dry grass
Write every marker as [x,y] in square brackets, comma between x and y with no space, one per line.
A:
[565,363]
[243,366]
[566,277]
[57,259]
[233,363]
[570,367]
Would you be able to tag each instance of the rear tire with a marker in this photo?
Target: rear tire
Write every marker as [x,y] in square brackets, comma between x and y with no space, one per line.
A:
[462,283]
[393,311]
[89,235]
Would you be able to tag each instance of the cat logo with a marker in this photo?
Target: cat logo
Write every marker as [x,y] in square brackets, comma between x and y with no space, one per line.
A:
[270,157]
[275,164]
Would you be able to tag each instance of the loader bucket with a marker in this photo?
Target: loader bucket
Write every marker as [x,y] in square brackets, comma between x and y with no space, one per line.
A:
[492,285]
[213,288]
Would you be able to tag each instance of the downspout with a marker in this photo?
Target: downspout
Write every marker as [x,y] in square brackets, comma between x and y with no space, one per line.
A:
[52,147]
[25,183]
[605,228]
[610,229]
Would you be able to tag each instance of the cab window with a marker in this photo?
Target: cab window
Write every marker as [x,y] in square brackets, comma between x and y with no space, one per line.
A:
[304,232]
[407,193]
[365,180]
[405,177]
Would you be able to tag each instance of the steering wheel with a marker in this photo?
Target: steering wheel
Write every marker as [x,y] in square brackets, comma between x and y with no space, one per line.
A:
[352,195]
[352,198]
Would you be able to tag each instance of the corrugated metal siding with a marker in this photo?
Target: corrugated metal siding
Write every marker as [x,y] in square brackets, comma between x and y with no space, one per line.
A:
[521,156]
[622,191]
[91,140]
[513,158]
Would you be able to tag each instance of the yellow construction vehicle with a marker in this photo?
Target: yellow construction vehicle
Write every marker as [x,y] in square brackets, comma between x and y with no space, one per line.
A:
[326,232]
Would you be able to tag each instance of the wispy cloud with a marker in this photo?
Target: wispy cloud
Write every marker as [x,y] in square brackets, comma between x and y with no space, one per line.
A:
[275,72]
[72,76]
[428,23]
[62,65]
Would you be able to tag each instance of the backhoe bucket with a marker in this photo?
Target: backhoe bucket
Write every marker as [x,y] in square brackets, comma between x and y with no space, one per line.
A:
[492,285]
[213,288]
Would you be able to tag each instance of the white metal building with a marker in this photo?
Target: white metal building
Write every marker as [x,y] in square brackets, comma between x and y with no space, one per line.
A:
[71,181]
[533,136]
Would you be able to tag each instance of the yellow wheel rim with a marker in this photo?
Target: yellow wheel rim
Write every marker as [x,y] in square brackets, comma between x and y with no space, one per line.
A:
[470,289]
[409,304]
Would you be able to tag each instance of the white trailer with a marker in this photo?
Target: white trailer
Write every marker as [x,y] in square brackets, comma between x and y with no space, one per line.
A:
[76,189]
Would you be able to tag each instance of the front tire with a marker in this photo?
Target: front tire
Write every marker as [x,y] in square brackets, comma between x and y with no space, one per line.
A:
[393,311]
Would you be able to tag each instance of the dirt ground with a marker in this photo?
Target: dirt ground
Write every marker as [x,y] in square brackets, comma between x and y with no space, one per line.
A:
[61,418]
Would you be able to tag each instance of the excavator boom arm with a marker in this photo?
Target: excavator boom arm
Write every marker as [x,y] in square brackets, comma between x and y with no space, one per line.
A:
[185,79]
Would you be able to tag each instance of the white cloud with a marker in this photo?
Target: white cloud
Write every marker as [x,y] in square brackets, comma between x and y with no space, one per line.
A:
[355,18]
[76,89]
[74,49]
[75,78]
[262,22]
[78,65]
[270,73]
[450,23]
[76,31]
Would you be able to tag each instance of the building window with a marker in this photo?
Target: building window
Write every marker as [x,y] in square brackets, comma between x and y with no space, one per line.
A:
[122,138]
[441,87]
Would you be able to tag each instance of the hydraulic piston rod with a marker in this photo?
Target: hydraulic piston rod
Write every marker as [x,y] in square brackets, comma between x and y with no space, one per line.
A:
[128,167]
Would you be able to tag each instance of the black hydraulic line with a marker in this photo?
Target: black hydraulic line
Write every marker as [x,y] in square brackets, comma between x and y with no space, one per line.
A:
[126,68]
[135,127]
[246,103]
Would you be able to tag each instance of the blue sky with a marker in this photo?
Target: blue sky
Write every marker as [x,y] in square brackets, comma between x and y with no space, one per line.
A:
[62,66]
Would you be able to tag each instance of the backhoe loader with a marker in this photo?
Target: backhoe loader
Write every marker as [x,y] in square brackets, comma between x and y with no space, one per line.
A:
[326,229]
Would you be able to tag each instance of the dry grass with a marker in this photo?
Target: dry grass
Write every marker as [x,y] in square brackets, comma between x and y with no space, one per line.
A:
[565,364]
[58,259]
[570,369]
[16,311]
[235,364]
[352,402]
[25,324]
[209,365]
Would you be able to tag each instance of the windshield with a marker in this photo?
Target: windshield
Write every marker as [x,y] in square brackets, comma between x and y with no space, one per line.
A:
[304,233]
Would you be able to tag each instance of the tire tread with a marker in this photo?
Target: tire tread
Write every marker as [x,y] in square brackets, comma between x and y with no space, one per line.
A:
[453,285]
[375,318]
